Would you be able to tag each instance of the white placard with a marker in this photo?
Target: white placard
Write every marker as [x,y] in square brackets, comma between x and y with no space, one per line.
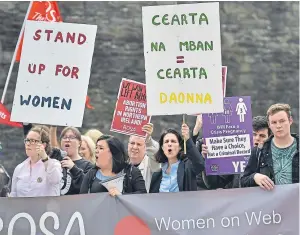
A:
[228,146]
[54,73]
[114,182]
[182,50]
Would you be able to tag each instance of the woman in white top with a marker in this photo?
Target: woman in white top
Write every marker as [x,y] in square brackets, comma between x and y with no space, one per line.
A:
[38,175]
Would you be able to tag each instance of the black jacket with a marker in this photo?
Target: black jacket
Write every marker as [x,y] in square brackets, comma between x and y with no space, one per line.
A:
[187,171]
[133,181]
[261,162]
[72,183]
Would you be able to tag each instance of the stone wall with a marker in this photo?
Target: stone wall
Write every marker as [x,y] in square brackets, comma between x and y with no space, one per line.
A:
[260,46]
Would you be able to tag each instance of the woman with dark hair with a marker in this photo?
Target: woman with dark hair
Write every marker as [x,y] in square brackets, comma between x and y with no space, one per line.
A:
[178,171]
[111,161]
[38,175]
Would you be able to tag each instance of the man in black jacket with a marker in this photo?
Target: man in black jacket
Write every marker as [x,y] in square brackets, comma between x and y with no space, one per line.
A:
[278,160]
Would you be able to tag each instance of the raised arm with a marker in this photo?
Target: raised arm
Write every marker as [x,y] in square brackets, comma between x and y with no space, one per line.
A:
[152,147]
[53,137]
[197,127]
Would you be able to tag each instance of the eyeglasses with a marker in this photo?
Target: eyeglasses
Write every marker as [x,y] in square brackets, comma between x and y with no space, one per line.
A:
[69,138]
[31,141]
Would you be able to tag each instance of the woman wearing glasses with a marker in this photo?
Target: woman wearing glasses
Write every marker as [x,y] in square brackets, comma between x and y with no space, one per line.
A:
[38,175]
[77,167]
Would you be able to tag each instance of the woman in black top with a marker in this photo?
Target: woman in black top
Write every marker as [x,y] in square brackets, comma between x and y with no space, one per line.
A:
[111,161]
[179,171]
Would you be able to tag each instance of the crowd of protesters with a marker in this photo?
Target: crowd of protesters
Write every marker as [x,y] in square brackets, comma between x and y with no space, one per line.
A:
[77,164]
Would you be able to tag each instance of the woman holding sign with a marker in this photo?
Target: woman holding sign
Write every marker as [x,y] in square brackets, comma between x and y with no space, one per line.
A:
[112,173]
[38,175]
[179,170]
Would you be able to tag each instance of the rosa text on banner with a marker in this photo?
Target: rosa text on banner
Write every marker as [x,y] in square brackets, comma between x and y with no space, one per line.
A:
[249,211]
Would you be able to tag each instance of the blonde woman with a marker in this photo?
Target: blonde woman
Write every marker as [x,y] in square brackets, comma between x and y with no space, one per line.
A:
[94,134]
[87,149]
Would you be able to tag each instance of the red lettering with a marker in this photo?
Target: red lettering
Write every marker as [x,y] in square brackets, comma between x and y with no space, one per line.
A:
[67,37]
[58,69]
[37,35]
[75,70]
[48,32]
[66,71]
[70,37]
[59,37]
[81,39]
[41,68]
[31,68]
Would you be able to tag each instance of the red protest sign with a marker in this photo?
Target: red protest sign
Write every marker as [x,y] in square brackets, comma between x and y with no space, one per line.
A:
[131,109]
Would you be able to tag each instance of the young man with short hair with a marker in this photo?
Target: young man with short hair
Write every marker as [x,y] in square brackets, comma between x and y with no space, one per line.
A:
[278,161]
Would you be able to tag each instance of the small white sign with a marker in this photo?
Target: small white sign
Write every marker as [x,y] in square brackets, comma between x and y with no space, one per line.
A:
[228,146]
[114,182]
[182,50]
[54,73]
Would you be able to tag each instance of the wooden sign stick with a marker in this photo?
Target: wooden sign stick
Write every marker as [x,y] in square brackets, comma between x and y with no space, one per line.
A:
[184,140]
